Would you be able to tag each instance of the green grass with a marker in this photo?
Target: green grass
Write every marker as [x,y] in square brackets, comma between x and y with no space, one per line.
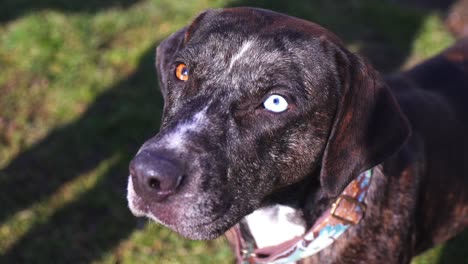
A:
[78,95]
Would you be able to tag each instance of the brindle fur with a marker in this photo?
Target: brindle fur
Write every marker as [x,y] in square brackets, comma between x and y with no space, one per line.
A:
[344,119]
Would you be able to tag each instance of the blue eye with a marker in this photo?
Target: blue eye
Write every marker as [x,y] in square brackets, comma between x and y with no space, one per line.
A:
[275,103]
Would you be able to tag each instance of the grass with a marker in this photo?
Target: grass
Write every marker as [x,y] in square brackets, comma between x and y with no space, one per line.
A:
[79,95]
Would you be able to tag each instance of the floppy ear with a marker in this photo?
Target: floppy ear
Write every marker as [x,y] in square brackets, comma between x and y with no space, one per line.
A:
[368,127]
[169,47]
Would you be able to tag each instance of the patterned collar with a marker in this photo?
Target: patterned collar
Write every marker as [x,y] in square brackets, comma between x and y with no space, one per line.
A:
[347,210]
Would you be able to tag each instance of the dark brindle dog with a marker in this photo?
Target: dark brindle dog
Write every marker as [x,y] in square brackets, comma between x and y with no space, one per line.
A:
[276,134]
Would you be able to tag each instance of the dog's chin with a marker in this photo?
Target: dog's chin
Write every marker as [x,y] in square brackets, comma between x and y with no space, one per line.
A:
[190,229]
[207,231]
[195,227]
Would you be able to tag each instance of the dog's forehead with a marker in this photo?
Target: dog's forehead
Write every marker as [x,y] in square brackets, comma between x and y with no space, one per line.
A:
[247,43]
[251,21]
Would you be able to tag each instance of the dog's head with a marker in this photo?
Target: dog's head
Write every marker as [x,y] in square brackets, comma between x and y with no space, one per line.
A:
[256,101]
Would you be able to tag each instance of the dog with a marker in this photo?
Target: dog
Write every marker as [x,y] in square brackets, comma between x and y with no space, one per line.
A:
[276,135]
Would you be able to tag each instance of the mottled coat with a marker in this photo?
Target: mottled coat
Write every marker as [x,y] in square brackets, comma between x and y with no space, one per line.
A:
[220,154]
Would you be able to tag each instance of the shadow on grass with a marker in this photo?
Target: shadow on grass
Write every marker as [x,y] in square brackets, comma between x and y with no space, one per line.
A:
[11,9]
[115,125]
[122,118]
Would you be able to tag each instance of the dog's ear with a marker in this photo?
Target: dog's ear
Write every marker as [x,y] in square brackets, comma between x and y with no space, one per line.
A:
[368,126]
[169,47]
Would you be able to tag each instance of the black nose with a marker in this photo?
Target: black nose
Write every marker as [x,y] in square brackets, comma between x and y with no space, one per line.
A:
[154,176]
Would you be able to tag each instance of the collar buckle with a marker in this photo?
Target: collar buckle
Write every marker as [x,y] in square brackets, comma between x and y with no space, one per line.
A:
[348,209]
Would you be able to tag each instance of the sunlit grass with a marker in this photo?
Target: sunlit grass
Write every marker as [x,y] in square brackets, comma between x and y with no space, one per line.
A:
[431,39]
[156,243]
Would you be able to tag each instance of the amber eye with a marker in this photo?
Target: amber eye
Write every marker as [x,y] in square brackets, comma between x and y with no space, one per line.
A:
[181,72]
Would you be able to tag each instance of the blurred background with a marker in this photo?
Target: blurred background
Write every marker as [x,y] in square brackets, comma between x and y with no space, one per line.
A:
[78,96]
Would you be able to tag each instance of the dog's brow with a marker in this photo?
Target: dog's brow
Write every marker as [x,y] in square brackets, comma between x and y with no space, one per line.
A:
[245,46]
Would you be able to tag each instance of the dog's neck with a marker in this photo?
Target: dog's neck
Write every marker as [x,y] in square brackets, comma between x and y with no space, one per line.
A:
[287,214]
[276,223]
[286,223]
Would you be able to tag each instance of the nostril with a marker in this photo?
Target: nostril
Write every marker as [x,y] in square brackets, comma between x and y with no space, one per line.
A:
[155,176]
[154,183]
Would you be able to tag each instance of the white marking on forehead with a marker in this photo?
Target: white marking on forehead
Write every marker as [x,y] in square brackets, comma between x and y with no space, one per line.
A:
[176,139]
[240,53]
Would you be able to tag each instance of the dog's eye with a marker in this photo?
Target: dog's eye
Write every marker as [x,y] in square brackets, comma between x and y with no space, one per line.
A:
[181,72]
[275,103]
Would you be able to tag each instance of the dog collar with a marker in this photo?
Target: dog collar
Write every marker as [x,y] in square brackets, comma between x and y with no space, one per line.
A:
[347,210]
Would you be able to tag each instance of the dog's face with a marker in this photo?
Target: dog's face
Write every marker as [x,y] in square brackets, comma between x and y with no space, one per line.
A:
[253,104]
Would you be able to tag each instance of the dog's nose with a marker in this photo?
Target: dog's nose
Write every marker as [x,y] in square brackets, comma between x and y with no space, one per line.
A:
[154,176]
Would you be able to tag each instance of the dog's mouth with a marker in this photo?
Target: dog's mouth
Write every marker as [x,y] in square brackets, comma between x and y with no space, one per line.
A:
[192,216]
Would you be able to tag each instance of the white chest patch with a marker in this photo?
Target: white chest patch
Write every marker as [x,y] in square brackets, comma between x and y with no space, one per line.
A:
[273,225]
